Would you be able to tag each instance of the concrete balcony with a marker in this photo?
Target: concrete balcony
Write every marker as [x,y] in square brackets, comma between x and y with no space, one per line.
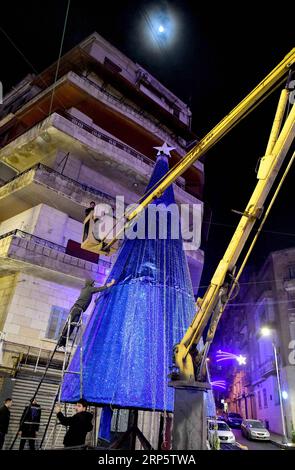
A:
[99,151]
[42,184]
[21,251]
[131,110]
[289,285]
[76,88]
[267,367]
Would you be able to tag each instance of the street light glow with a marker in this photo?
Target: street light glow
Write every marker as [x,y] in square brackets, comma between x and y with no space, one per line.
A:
[161,29]
[285,395]
[265,331]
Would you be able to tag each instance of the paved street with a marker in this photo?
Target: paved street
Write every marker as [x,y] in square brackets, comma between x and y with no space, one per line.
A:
[253,445]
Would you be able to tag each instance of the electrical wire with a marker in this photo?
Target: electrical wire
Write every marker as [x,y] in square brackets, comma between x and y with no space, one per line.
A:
[273,199]
[273,232]
[59,55]
[28,63]
[205,286]
[46,84]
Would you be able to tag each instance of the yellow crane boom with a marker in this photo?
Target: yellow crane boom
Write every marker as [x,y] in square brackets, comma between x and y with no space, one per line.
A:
[216,296]
[211,306]
[272,80]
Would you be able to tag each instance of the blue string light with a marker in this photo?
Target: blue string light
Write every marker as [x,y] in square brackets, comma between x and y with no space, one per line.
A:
[129,339]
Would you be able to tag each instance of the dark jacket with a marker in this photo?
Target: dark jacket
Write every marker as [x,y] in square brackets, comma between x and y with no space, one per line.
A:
[86,294]
[30,420]
[88,210]
[4,419]
[79,425]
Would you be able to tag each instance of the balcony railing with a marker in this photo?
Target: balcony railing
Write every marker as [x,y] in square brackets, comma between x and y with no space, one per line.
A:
[106,138]
[266,367]
[289,284]
[116,143]
[43,242]
[85,187]
[33,238]
[139,112]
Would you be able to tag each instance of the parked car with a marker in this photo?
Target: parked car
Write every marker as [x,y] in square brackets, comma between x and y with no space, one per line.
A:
[234,420]
[224,432]
[222,417]
[254,429]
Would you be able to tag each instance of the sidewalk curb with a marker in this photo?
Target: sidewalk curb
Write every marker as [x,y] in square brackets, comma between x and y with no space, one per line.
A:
[283,446]
[242,446]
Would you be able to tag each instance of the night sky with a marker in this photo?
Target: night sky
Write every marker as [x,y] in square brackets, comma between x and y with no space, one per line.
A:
[218,55]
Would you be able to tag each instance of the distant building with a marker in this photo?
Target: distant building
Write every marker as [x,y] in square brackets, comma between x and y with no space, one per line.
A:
[231,336]
[266,298]
[87,137]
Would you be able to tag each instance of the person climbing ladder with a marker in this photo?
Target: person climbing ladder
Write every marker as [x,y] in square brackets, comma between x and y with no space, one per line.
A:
[80,306]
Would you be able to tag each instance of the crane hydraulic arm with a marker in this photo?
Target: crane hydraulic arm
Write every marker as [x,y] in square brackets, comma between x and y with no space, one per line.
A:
[216,296]
[266,86]
[191,384]
[187,358]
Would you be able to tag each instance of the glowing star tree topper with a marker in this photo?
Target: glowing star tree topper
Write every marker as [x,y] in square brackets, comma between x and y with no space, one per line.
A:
[164,149]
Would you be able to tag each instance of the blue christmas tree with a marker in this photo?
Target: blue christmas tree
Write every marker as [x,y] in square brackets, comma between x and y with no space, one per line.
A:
[128,341]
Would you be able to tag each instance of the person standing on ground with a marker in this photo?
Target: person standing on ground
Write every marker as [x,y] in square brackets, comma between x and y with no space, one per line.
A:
[4,420]
[79,424]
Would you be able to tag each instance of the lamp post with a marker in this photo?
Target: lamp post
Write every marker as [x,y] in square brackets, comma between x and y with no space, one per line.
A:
[266,331]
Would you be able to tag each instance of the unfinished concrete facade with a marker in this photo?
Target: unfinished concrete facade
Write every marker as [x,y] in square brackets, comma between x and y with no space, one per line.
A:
[89,136]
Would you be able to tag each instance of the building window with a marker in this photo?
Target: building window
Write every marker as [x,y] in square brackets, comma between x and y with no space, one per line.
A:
[276,395]
[57,319]
[259,399]
[176,111]
[110,65]
[264,398]
[291,300]
[292,271]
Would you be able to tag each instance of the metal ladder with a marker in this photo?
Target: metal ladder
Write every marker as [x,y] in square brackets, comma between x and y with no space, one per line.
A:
[66,360]
[67,356]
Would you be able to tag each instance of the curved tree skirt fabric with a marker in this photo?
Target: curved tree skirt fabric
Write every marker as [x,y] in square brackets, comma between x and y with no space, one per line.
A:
[128,342]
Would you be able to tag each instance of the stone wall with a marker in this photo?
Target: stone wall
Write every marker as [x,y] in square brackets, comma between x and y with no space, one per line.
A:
[29,309]
[45,222]
[25,221]
[7,285]
[57,227]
